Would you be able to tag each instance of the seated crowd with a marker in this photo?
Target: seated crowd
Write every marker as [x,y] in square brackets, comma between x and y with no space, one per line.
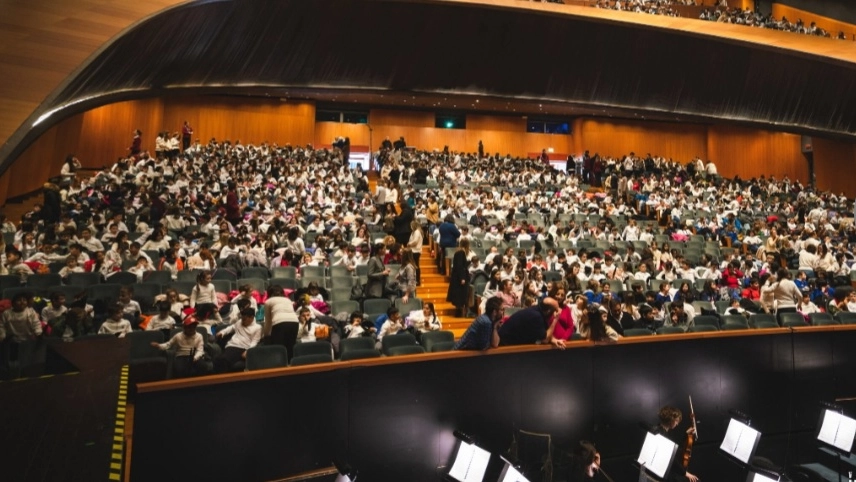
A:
[247,245]
[719,13]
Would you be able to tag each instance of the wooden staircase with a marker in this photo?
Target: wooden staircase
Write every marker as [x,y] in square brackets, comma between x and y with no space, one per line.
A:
[433,288]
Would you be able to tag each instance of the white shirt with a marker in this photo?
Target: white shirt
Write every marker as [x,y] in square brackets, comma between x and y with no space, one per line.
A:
[244,337]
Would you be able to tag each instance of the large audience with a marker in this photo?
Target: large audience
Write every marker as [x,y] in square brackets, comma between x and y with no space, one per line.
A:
[720,13]
[593,250]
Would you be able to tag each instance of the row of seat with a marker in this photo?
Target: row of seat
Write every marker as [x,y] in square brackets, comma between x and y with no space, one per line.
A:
[148,363]
[758,321]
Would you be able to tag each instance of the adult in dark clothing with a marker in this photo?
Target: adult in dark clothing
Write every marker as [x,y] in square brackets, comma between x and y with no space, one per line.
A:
[481,150]
[51,208]
[532,325]
[386,144]
[186,134]
[449,235]
[617,318]
[459,282]
[136,143]
[377,273]
[399,144]
[402,223]
[394,176]
[670,418]
[421,175]
[478,218]
[233,209]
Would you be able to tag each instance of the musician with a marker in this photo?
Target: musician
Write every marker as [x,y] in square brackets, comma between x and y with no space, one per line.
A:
[585,463]
[670,418]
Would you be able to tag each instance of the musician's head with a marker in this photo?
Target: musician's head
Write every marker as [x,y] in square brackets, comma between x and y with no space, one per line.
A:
[670,417]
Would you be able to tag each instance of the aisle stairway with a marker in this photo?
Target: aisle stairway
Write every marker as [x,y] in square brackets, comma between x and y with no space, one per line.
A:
[434,286]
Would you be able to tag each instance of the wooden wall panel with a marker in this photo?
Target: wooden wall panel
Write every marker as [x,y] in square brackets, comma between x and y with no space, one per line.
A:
[834,163]
[250,120]
[831,25]
[326,132]
[100,136]
[680,142]
[753,153]
[496,123]
[107,131]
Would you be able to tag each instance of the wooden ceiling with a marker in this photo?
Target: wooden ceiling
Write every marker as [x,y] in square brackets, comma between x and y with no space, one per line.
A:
[44,44]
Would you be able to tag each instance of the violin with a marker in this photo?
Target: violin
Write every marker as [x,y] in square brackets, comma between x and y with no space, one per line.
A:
[692,436]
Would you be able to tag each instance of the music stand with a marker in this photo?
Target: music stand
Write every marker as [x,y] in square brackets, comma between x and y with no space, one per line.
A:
[510,473]
[762,477]
[656,455]
[470,463]
[740,442]
[836,432]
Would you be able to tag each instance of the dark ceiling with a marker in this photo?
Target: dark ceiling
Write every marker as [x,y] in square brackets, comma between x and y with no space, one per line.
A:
[356,51]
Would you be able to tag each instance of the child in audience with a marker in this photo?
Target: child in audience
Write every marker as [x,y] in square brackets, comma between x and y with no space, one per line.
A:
[115,324]
[20,323]
[164,320]
[130,308]
[189,351]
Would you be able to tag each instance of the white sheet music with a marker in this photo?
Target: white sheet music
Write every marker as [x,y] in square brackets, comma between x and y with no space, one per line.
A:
[837,430]
[740,441]
[761,478]
[656,454]
[470,463]
[510,474]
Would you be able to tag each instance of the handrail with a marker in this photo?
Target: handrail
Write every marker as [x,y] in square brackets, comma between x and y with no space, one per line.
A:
[178,384]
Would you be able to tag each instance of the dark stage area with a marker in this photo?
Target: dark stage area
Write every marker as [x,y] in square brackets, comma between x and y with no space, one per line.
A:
[394,419]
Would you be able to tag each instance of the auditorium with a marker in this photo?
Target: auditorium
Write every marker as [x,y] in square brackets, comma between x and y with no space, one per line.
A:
[282,240]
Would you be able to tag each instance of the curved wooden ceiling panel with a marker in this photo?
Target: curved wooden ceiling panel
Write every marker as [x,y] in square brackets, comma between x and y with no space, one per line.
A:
[501,48]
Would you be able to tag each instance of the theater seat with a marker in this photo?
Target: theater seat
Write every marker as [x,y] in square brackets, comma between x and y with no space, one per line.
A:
[637,332]
[432,338]
[267,356]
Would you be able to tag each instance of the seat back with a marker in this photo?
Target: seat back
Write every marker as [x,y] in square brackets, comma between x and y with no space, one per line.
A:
[267,356]
[405,350]
[442,346]
[44,280]
[346,306]
[314,348]
[258,284]
[669,330]
[140,344]
[284,272]
[360,354]
[164,278]
[375,306]
[255,272]
[638,332]
[703,328]
[792,319]
[412,304]
[83,279]
[763,320]
[431,338]
[821,319]
[121,278]
[846,318]
[310,360]
[706,320]
[356,344]
[397,340]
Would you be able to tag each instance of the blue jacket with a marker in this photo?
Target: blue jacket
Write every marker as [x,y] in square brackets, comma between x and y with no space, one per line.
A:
[449,235]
